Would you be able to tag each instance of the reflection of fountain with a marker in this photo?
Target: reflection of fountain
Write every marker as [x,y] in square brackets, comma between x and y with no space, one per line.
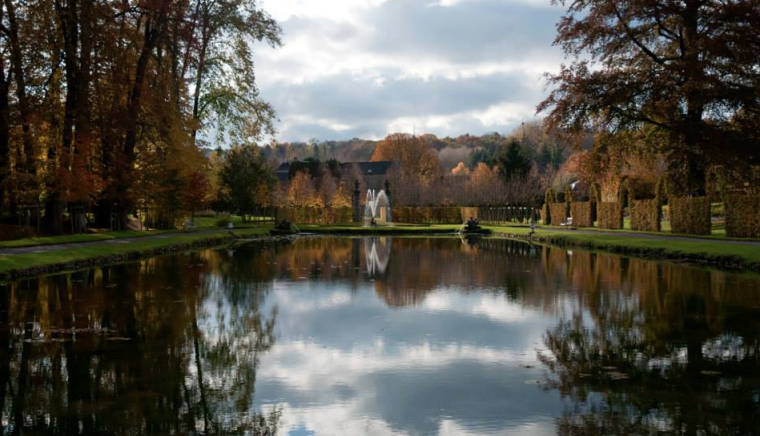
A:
[371,211]
[378,253]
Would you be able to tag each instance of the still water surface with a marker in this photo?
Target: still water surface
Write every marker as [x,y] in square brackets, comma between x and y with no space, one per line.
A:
[339,336]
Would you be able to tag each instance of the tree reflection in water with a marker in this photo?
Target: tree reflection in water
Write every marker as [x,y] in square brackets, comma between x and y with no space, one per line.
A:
[656,349]
[142,348]
[172,345]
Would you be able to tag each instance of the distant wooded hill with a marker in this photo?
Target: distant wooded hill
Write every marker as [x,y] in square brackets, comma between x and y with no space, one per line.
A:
[544,149]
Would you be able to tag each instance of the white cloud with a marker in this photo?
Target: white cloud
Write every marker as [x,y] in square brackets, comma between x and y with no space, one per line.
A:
[343,58]
[331,10]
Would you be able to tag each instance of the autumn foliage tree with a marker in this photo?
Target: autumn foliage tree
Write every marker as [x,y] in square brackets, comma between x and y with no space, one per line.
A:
[99,101]
[460,170]
[198,193]
[682,74]
[302,192]
[415,155]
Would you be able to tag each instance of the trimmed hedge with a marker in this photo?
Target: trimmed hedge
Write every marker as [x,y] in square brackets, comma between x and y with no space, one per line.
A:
[557,213]
[610,215]
[582,213]
[434,215]
[646,215]
[469,212]
[316,215]
[690,216]
[546,211]
[742,216]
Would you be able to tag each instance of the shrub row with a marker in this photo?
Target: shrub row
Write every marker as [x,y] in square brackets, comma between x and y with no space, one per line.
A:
[610,215]
[581,211]
[690,215]
[469,212]
[431,215]
[742,216]
[558,213]
[316,215]
[504,214]
[645,215]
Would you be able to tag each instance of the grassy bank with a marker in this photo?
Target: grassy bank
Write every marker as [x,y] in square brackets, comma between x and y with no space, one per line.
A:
[717,252]
[201,223]
[85,237]
[19,265]
[711,252]
[398,229]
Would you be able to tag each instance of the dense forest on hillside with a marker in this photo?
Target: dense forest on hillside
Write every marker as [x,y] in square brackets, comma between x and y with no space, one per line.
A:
[548,151]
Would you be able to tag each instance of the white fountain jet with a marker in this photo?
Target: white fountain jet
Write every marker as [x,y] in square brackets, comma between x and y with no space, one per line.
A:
[378,253]
[373,200]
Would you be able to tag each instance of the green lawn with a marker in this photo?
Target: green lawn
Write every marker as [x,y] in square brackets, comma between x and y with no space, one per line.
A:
[201,223]
[707,250]
[211,221]
[85,237]
[31,260]
[718,231]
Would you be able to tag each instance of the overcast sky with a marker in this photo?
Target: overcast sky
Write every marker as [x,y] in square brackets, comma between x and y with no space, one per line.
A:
[366,68]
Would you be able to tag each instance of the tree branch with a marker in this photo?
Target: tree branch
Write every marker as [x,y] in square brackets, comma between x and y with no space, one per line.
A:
[633,38]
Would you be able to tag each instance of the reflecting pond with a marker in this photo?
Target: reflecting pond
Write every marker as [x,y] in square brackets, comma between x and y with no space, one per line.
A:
[381,336]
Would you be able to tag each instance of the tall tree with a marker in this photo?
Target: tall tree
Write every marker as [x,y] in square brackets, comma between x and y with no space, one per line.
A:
[245,179]
[686,69]
[116,93]
[225,91]
[5,80]
[21,86]
[512,161]
[415,155]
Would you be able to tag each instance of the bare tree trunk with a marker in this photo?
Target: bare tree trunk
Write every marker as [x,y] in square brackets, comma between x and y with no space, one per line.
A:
[23,102]
[69,21]
[153,30]
[206,36]
[4,127]
[695,107]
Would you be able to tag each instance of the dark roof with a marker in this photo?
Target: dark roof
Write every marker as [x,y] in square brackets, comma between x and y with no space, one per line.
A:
[283,168]
[282,172]
[383,168]
[371,168]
